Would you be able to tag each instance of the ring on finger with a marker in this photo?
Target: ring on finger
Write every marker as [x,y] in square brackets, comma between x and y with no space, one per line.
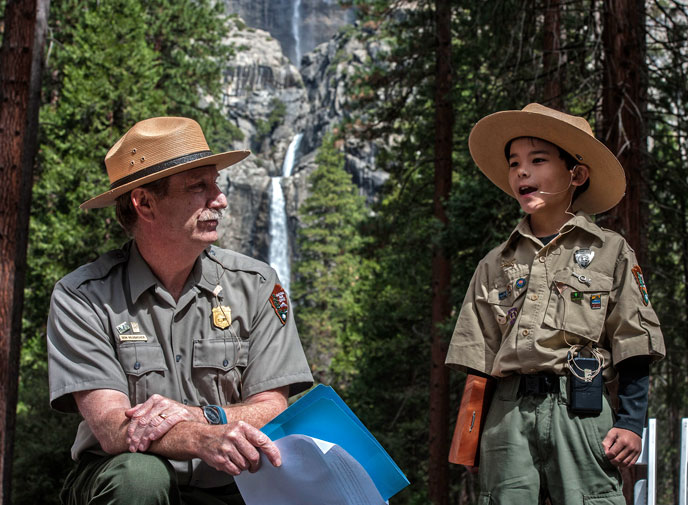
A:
[163,415]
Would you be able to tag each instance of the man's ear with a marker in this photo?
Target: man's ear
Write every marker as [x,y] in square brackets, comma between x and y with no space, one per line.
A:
[143,203]
[580,174]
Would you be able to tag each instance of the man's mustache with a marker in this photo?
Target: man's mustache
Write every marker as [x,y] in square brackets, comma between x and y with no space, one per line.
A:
[211,215]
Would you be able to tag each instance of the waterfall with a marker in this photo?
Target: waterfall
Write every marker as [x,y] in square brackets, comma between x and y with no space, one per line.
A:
[295,30]
[279,234]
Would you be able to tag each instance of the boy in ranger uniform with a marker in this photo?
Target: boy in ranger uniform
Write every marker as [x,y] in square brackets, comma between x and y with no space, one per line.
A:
[551,314]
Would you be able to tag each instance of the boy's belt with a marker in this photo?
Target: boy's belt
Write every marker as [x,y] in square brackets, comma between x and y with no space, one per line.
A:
[538,384]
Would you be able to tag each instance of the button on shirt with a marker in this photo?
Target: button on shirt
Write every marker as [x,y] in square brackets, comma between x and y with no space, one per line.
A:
[519,314]
[112,325]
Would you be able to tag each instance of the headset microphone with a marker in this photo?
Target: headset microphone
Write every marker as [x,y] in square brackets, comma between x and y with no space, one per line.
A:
[563,190]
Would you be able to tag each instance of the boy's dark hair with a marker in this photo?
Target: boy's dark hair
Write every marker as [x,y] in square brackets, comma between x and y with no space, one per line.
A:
[569,161]
[124,209]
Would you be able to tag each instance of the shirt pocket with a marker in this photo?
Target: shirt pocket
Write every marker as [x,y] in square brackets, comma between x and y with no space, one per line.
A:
[506,296]
[144,365]
[575,306]
[218,364]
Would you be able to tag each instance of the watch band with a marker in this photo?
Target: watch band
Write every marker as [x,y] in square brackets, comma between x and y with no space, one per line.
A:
[215,414]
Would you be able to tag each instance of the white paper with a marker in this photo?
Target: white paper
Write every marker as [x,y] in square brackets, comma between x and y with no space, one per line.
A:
[313,472]
[322,445]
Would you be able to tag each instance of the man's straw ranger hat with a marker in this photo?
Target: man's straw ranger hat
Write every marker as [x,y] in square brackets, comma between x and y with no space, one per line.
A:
[156,148]
[573,134]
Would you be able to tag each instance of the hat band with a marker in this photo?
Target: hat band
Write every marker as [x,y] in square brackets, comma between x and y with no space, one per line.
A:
[187,158]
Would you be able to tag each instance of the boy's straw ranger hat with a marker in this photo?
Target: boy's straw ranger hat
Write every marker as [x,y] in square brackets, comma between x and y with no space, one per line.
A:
[156,148]
[573,134]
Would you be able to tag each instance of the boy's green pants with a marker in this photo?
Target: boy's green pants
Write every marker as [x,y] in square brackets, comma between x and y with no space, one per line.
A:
[532,446]
[135,478]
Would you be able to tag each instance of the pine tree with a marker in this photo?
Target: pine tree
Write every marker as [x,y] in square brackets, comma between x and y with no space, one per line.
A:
[111,63]
[21,58]
[330,271]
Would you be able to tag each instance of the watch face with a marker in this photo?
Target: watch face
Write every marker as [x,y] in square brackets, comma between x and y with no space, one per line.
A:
[212,415]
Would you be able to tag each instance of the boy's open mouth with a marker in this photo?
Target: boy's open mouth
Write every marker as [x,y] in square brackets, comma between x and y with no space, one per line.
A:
[526,189]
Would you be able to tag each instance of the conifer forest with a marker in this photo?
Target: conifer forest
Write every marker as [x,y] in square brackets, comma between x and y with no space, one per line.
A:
[377,277]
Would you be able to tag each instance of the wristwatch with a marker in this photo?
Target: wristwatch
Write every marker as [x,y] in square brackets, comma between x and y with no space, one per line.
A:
[214,414]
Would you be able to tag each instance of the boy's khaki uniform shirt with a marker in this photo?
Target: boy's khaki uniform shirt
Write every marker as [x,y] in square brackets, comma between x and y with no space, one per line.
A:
[112,325]
[527,303]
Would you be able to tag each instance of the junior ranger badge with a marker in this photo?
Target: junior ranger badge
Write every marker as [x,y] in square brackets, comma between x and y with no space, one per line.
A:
[222,317]
[583,257]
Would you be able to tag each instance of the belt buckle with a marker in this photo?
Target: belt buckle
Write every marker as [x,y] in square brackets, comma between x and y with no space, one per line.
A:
[532,385]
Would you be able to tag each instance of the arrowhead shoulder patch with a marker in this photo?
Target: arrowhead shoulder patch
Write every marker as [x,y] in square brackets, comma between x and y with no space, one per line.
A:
[280,302]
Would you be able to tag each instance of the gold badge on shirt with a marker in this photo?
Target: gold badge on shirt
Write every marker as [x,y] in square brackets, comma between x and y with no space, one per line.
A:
[222,316]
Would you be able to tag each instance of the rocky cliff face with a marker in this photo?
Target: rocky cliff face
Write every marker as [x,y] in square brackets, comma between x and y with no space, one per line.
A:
[326,72]
[298,25]
[271,101]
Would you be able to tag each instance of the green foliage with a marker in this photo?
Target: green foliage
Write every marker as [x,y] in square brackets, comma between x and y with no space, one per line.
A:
[111,63]
[331,274]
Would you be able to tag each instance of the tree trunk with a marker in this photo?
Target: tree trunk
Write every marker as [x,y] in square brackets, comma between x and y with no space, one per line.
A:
[441,307]
[20,71]
[552,60]
[624,105]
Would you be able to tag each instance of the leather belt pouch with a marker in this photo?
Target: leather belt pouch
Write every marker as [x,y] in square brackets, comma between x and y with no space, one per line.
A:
[465,446]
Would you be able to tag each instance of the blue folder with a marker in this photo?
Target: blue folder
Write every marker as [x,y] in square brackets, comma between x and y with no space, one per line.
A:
[322,414]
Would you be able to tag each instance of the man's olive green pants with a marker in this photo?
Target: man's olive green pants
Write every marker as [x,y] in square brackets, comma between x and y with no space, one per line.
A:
[532,447]
[137,479]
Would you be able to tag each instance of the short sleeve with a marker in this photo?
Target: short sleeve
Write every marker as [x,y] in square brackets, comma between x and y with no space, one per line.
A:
[632,325]
[276,357]
[476,336]
[80,354]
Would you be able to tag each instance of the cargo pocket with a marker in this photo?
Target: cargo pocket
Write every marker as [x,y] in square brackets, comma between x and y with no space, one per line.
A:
[577,307]
[217,367]
[594,429]
[144,365]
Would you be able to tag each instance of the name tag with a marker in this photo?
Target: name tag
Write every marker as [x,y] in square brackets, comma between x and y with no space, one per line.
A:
[133,338]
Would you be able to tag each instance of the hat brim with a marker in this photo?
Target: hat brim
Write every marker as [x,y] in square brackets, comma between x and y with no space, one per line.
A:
[221,161]
[491,134]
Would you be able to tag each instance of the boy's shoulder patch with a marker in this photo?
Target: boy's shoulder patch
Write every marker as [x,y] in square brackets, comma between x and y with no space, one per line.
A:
[638,274]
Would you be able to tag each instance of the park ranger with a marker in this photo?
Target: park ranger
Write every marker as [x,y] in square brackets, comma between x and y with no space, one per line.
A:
[173,351]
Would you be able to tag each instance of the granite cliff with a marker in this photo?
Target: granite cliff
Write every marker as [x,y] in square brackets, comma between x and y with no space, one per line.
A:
[272,101]
[298,25]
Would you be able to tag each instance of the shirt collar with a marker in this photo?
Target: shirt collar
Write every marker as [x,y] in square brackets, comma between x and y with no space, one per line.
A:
[585,223]
[581,221]
[141,277]
[208,270]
